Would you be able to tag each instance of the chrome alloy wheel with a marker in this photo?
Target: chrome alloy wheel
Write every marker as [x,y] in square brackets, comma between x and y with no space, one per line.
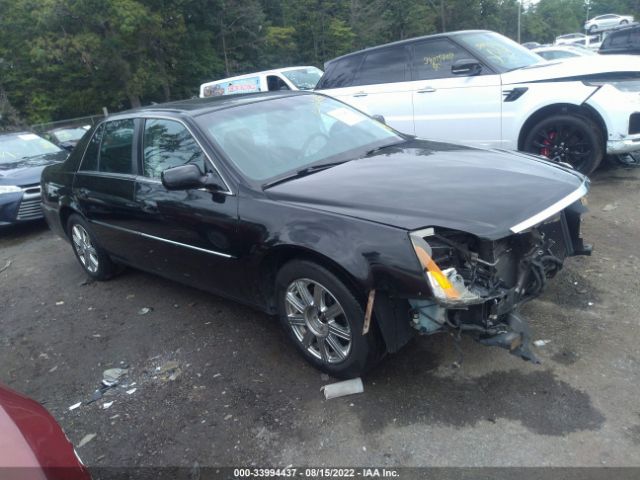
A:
[84,248]
[318,321]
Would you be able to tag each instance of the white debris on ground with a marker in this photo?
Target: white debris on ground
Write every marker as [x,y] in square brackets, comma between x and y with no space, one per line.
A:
[86,439]
[340,389]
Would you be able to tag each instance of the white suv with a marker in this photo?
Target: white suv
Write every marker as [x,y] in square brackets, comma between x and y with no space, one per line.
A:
[482,89]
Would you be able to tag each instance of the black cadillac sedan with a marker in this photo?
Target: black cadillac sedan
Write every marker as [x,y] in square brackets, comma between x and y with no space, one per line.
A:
[356,236]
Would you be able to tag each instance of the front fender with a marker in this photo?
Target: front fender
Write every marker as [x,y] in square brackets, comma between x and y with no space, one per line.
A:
[538,96]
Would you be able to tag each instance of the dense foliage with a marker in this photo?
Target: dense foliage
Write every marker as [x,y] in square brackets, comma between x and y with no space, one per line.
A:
[67,58]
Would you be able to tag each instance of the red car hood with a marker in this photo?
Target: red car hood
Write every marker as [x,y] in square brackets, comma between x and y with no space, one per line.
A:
[32,444]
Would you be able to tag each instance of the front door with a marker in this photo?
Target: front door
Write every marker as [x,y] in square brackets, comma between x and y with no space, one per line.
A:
[191,234]
[457,109]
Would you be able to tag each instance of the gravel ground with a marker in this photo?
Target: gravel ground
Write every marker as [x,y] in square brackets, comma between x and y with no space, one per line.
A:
[217,384]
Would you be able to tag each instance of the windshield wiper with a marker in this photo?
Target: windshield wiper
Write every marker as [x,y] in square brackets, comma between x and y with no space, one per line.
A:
[303,172]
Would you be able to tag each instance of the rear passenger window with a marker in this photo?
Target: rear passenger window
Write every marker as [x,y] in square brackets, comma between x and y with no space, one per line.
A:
[340,73]
[168,144]
[117,147]
[620,39]
[90,159]
[387,65]
[433,59]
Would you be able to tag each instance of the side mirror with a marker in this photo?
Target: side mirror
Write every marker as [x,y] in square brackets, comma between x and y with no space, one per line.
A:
[379,118]
[466,66]
[185,177]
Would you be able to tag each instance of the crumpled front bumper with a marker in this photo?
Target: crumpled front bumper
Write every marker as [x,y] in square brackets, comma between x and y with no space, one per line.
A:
[616,108]
[628,144]
[492,317]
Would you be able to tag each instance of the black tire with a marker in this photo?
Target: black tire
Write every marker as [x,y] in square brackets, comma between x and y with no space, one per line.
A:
[103,268]
[364,351]
[623,22]
[572,139]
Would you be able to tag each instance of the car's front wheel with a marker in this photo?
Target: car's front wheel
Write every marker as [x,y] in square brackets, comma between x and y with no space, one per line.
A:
[95,261]
[324,320]
[592,29]
[571,139]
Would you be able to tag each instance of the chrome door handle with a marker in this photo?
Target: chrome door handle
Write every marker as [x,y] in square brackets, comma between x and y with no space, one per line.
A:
[360,94]
[426,90]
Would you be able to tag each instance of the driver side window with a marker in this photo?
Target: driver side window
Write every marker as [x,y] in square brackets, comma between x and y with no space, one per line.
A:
[167,144]
[433,59]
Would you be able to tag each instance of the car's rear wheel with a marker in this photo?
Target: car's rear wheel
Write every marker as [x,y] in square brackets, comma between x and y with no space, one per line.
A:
[592,29]
[324,320]
[623,22]
[95,261]
[572,139]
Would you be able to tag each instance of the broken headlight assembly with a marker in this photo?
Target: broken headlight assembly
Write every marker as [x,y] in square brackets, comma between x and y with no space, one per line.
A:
[477,284]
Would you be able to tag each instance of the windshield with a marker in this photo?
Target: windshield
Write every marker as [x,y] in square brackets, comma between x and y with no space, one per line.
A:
[16,147]
[269,139]
[304,78]
[499,52]
[69,134]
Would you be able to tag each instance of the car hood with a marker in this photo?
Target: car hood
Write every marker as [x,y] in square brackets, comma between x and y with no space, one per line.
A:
[26,171]
[33,442]
[422,184]
[571,68]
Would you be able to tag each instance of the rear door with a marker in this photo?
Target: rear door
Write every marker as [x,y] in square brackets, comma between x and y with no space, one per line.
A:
[104,184]
[459,109]
[190,235]
[378,84]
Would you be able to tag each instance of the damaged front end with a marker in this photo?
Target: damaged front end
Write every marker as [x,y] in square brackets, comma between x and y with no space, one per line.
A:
[478,284]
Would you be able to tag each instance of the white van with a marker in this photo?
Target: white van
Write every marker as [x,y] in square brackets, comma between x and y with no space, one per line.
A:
[290,78]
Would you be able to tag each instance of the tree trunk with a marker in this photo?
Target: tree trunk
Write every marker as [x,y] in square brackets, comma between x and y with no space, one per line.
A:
[134,100]
[224,48]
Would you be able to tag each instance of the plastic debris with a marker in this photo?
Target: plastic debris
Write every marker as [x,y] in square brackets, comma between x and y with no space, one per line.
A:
[145,310]
[86,439]
[590,304]
[609,206]
[74,406]
[340,389]
[541,343]
[112,376]
[169,371]
[53,369]
[132,391]
[60,303]
[107,404]
[6,265]
[227,417]
[97,395]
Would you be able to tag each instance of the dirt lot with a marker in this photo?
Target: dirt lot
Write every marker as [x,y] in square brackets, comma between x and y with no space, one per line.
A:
[217,383]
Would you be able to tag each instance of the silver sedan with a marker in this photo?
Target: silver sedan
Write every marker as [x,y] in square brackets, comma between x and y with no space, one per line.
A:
[605,22]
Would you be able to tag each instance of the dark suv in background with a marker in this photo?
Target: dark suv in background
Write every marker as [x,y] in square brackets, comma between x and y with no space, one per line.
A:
[622,40]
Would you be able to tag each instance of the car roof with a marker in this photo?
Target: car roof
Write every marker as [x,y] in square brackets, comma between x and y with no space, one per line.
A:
[199,106]
[255,74]
[406,41]
[15,134]
[620,28]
